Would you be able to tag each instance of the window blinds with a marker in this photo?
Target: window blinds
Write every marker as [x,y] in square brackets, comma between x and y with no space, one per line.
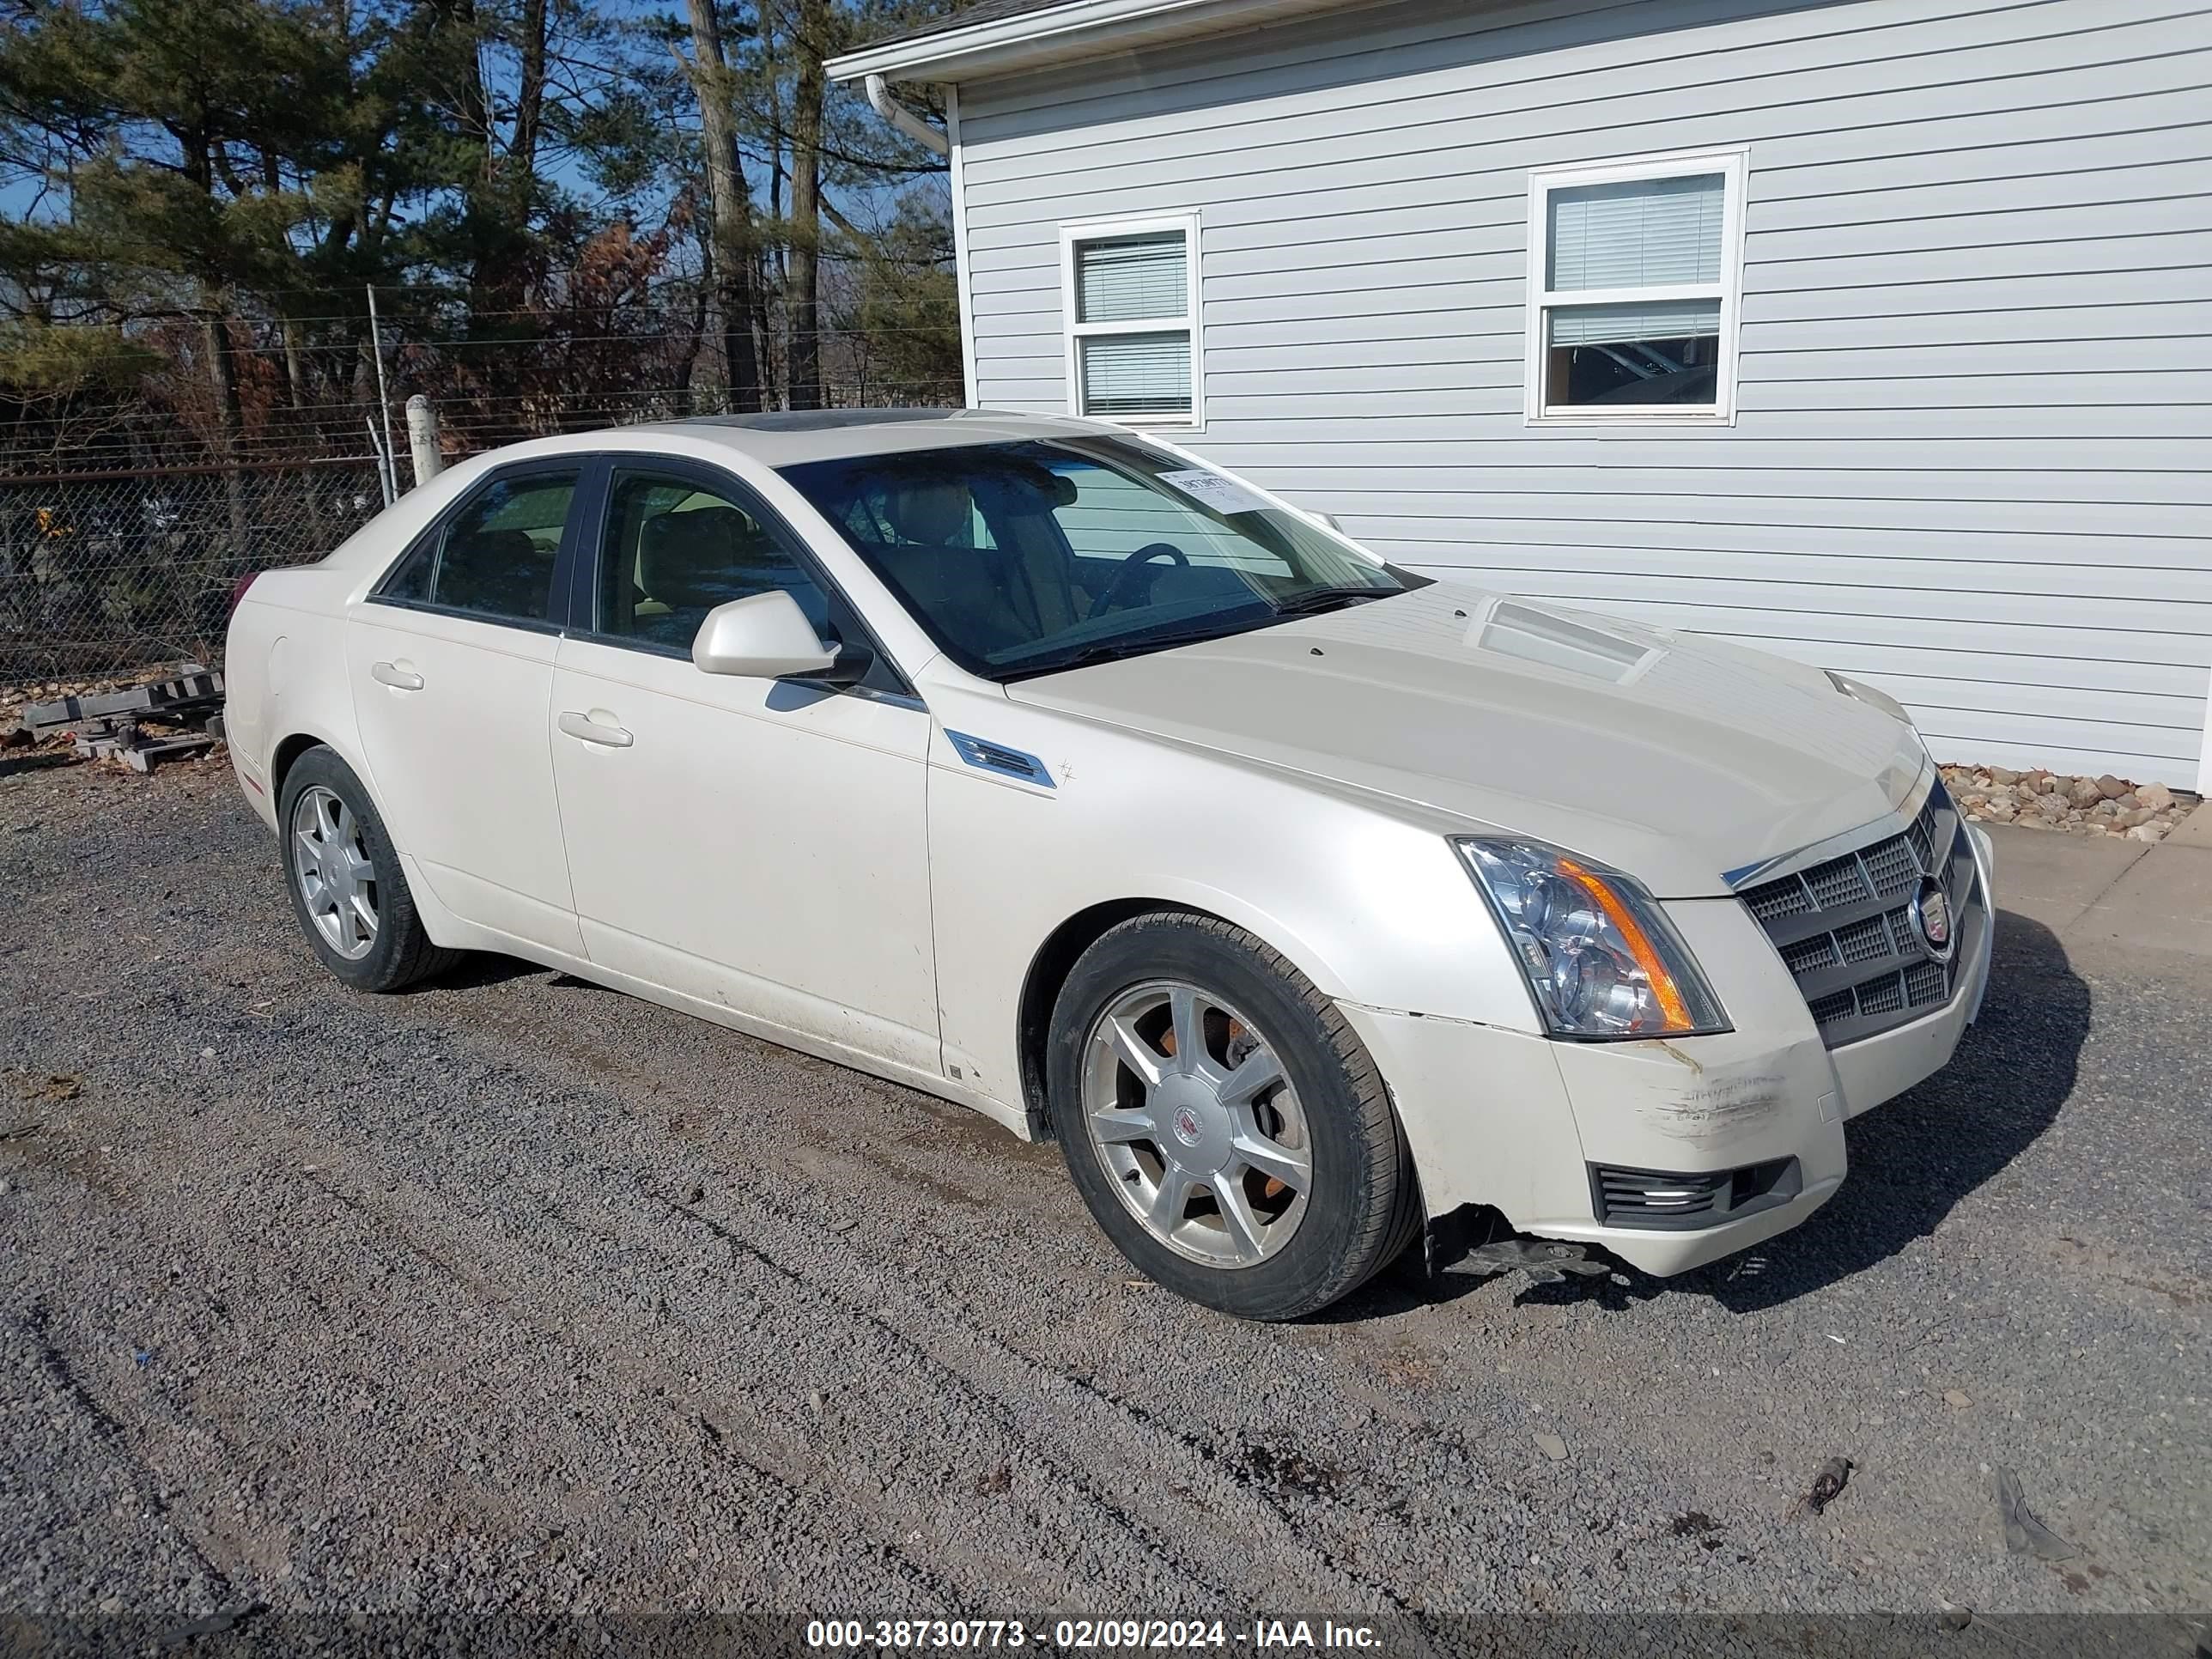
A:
[1642,233]
[1135,373]
[1132,279]
[1675,320]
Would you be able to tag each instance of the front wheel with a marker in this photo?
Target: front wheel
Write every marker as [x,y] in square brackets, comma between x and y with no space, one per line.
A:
[343,875]
[1224,1124]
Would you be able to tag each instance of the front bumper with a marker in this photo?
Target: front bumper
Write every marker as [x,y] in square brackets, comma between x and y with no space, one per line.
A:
[1520,1122]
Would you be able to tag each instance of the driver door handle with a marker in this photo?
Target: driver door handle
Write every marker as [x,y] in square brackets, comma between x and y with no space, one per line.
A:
[582,726]
[400,679]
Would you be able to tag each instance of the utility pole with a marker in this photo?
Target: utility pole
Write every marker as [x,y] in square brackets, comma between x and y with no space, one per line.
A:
[423,439]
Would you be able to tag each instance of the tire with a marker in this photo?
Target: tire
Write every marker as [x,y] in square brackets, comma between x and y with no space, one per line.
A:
[1136,1125]
[395,951]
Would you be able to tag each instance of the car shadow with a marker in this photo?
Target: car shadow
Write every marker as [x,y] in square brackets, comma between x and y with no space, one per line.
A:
[474,971]
[1914,1159]
[479,969]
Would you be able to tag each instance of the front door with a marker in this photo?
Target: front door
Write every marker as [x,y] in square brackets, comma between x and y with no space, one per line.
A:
[450,660]
[758,844]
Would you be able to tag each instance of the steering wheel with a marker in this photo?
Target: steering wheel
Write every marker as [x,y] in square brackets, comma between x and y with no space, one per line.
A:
[1137,564]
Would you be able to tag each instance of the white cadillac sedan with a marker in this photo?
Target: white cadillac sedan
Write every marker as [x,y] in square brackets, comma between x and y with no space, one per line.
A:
[1304,901]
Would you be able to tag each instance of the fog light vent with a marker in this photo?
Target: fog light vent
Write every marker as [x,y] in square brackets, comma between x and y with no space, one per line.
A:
[1669,1200]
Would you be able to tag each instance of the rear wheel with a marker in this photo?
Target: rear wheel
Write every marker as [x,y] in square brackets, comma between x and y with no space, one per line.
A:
[1224,1124]
[343,875]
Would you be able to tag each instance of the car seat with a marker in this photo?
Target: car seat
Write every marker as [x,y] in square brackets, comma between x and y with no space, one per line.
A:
[961,586]
[502,573]
[692,561]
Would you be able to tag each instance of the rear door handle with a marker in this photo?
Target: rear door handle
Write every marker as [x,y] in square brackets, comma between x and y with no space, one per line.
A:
[400,679]
[581,725]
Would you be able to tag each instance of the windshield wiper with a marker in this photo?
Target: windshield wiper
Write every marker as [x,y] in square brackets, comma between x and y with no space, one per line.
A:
[1316,599]
[1140,645]
[1313,600]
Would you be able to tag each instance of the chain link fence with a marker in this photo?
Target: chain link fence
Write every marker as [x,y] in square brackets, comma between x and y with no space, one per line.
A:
[122,537]
[106,572]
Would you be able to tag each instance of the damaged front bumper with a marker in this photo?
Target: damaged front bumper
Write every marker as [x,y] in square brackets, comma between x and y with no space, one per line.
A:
[1667,1155]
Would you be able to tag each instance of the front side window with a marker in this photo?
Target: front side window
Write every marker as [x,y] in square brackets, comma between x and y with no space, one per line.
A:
[1131,291]
[673,552]
[1633,275]
[1025,558]
[495,557]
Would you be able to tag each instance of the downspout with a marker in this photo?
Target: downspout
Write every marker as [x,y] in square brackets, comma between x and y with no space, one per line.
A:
[881,101]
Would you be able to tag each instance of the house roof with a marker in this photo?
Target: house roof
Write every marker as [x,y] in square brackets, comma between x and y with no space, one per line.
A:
[997,37]
[967,16]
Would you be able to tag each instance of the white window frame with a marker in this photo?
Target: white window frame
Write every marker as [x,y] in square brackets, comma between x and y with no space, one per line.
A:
[1099,230]
[1733,166]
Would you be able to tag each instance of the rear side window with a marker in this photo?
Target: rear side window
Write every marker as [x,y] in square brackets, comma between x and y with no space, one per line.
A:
[495,557]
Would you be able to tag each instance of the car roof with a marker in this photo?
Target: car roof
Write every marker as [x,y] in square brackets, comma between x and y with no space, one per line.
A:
[790,438]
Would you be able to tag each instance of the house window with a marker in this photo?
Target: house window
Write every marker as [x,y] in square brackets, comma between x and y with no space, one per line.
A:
[1129,291]
[1634,271]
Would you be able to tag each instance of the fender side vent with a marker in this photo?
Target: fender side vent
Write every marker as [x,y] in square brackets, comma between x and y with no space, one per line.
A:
[989,756]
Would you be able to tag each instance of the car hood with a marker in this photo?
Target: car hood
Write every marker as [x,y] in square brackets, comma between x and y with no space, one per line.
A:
[1674,758]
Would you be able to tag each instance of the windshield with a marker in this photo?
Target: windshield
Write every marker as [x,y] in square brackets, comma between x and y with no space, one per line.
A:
[1021,558]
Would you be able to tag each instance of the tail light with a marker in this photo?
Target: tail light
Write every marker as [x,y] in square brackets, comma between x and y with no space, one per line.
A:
[238,595]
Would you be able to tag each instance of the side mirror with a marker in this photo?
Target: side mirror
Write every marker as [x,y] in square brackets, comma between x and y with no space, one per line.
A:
[763,636]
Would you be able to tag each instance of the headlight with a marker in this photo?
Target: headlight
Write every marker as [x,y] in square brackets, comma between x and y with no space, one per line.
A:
[1600,958]
[1866,695]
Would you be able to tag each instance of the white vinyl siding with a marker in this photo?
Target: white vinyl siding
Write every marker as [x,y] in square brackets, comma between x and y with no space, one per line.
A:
[1130,301]
[1971,459]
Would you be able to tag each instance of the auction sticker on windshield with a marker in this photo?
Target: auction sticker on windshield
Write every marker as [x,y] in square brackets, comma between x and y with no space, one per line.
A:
[1212,489]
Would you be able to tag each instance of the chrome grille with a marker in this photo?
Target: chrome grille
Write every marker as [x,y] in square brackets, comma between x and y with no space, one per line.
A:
[1885,995]
[1929,981]
[1836,884]
[1922,836]
[1837,1004]
[1808,954]
[1777,899]
[1852,949]
[1893,867]
[1925,985]
[1868,940]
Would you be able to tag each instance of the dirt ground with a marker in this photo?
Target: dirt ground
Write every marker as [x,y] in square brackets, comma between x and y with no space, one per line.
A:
[515,1296]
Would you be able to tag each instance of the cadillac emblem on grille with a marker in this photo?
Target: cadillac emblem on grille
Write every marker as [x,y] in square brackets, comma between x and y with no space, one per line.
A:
[1931,916]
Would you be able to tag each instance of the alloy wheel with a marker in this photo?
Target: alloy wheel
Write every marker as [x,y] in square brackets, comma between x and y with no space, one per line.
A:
[336,877]
[1197,1123]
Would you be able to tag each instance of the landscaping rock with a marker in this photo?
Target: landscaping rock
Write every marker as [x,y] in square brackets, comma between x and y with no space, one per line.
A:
[2072,804]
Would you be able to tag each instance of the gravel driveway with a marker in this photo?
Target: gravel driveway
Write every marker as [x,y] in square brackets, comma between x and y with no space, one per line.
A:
[517,1295]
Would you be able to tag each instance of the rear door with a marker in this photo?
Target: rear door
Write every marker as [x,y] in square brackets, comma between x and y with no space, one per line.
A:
[450,660]
[758,844]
